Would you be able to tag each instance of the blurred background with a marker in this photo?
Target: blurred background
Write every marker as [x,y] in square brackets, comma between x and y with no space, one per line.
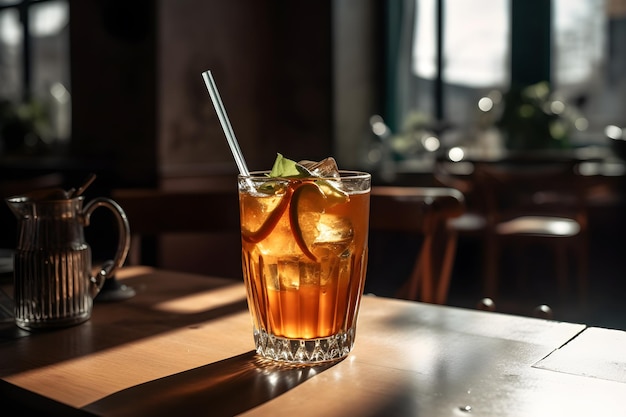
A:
[394,87]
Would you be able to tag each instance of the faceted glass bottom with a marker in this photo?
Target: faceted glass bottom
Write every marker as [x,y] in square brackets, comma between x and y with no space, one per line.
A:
[303,351]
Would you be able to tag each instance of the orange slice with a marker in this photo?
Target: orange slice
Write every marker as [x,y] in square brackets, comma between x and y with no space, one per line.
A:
[307,204]
[270,222]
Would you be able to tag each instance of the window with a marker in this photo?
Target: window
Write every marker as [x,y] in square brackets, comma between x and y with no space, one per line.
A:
[475,43]
[580,58]
[465,50]
[475,53]
[34,68]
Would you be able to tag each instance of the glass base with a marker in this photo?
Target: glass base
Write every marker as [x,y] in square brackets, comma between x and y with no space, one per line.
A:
[45,324]
[113,290]
[303,351]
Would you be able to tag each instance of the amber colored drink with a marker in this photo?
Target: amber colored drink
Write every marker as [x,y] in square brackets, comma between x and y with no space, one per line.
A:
[304,260]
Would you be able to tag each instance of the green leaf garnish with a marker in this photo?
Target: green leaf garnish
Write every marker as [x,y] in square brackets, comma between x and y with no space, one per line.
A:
[284,167]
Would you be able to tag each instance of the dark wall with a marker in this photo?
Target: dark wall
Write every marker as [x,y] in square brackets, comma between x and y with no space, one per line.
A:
[139,102]
[113,71]
[272,62]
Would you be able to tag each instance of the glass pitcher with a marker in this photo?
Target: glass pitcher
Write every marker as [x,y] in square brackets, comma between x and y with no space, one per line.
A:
[54,285]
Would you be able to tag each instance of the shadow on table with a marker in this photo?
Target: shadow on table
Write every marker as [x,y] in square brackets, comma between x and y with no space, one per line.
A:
[16,401]
[224,388]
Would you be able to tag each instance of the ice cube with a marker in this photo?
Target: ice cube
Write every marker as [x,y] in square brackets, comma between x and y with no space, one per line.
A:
[326,168]
[335,234]
[334,229]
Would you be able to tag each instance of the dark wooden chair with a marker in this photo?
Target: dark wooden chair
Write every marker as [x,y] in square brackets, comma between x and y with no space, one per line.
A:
[533,203]
[521,202]
[424,211]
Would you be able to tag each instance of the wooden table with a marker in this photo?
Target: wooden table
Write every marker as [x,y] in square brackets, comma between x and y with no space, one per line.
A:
[183,346]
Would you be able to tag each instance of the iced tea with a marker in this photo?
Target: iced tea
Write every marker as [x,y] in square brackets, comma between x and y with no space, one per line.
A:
[304,260]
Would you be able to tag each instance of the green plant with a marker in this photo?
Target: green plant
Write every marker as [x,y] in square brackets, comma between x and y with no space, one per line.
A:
[533,119]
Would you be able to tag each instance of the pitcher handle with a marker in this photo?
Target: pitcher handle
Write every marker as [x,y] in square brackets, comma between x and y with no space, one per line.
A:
[109,267]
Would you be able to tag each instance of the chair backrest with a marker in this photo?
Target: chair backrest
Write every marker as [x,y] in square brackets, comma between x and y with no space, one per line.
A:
[513,188]
[413,209]
[530,183]
[153,213]
[160,218]
[422,211]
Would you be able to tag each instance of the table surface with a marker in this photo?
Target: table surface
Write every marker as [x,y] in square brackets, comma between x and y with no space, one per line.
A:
[184,345]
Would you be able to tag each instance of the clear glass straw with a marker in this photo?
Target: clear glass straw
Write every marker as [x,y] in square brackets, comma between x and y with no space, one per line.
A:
[228,130]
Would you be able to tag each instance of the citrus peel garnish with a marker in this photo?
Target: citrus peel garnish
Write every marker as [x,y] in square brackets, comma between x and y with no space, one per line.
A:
[270,223]
[311,194]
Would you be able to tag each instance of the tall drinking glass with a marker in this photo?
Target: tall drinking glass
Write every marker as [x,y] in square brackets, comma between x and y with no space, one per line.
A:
[304,244]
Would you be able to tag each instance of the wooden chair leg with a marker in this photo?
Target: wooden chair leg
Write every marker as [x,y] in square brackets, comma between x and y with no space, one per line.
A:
[428,282]
[446,269]
[134,254]
[491,255]
[583,271]
[427,272]
[561,267]
[410,289]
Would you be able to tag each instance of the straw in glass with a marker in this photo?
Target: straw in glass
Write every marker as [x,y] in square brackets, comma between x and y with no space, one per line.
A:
[228,130]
